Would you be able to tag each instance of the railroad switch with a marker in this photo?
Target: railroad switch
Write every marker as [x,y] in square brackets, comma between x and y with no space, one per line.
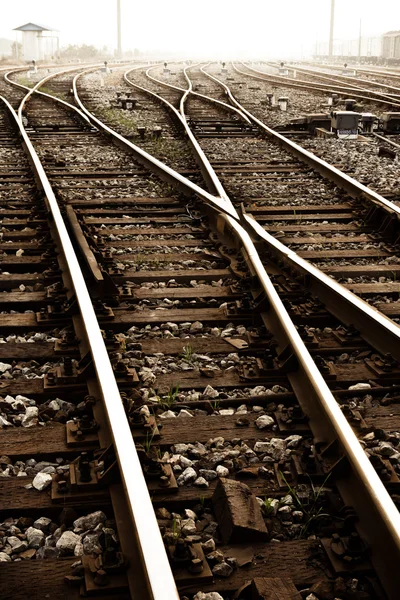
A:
[88,477]
[188,563]
[105,573]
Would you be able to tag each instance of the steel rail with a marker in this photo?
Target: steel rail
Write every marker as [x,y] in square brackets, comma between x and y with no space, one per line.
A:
[212,181]
[35,89]
[352,186]
[358,311]
[310,86]
[370,483]
[162,170]
[339,85]
[325,75]
[379,501]
[381,73]
[160,579]
[213,100]
[149,161]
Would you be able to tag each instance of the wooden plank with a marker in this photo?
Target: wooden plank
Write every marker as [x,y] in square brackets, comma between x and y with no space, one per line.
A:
[13,280]
[50,440]
[184,276]
[274,588]
[361,270]
[170,257]
[32,298]
[302,208]
[28,351]
[14,499]
[344,216]
[202,428]
[287,559]
[187,380]
[157,243]
[173,315]
[124,201]
[184,230]
[38,579]
[324,254]
[176,345]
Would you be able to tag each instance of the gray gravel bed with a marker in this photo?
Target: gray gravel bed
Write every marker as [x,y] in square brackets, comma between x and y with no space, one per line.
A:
[25,538]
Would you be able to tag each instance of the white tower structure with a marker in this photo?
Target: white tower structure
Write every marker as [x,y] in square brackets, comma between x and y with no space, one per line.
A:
[34,45]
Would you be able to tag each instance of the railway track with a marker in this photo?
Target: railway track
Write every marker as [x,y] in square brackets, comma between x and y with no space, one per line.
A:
[235,411]
[328,84]
[356,255]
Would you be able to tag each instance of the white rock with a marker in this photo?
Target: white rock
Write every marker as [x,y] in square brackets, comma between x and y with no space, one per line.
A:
[185,462]
[201,482]
[188,476]
[42,523]
[4,367]
[89,521]
[222,471]
[196,326]
[227,412]
[34,537]
[184,413]
[68,541]
[188,527]
[190,514]
[42,481]
[385,449]
[30,417]
[360,386]
[180,448]
[168,414]
[261,447]
[208,546]
[264,422]
[293,441]
[16,544]
[209,392]
[207,596]
[4,557]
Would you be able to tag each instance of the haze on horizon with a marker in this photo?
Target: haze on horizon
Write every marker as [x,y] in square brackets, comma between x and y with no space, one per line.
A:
[212,28]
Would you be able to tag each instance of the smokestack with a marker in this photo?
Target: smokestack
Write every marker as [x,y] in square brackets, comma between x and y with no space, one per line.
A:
[330,52]
[119,46]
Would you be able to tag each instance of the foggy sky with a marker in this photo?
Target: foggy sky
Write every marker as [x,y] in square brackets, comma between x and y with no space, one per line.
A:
[219,28]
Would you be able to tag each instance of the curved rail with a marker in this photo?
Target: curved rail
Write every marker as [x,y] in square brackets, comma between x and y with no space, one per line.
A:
[153,163]
[310,86]
[370,485]
[161,584]
[325,75]
[352,186]
[374,494]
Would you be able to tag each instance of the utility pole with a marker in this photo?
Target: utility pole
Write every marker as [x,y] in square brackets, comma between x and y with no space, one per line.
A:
[330,51]
[359,42]
[119,46]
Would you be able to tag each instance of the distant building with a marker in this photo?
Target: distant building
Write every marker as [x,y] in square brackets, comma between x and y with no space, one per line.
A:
[35,45]
[5,47]
[391,44]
